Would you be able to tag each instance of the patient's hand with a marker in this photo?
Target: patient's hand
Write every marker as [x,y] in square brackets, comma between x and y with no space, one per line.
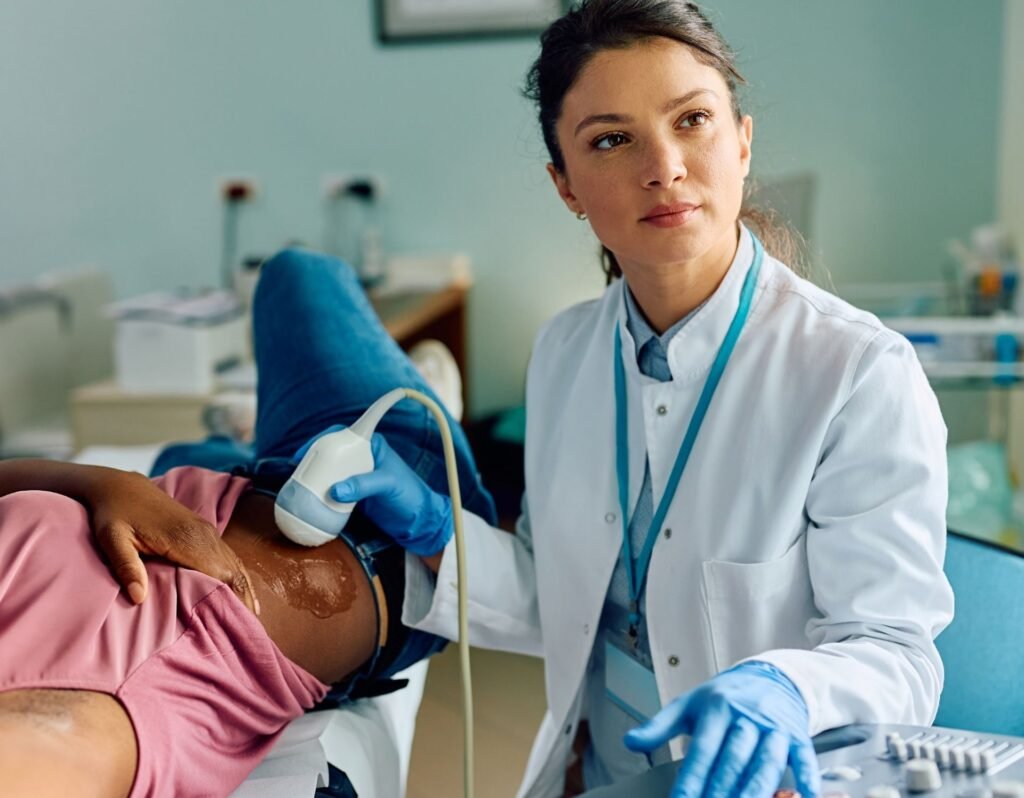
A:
[131,516]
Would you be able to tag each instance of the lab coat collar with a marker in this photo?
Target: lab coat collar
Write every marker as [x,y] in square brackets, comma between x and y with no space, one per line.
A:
[692,350]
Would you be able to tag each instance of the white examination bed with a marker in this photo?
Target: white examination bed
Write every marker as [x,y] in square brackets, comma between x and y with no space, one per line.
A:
[371,741]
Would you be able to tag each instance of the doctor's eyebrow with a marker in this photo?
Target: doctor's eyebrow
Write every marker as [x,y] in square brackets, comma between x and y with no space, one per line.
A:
[671,105]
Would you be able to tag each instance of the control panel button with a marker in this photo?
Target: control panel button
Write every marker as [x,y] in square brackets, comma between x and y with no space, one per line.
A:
[842,773]
[1008,789]
[883,791]
[975,792]
[923,776]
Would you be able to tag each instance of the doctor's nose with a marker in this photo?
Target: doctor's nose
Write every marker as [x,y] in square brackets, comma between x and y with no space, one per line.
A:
[663,165]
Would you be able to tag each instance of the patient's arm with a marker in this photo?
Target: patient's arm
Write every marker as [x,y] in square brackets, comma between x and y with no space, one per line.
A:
[316,604]
[132,516]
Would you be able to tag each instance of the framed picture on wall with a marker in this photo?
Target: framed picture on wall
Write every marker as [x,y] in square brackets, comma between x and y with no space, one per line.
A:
[404,20]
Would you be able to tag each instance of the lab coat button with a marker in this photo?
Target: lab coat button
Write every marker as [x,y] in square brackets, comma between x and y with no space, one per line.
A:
[586,628]
[610,518]
[568,729]
[662,410]
[668,534]
[673,660]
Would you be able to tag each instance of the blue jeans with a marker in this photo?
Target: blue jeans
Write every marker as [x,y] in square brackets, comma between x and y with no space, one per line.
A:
[322,357]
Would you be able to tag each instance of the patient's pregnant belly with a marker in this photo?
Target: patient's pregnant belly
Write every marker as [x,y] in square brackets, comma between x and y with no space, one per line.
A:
[315,603]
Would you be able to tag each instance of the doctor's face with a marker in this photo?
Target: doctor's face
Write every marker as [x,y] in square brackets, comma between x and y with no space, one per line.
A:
[654,155]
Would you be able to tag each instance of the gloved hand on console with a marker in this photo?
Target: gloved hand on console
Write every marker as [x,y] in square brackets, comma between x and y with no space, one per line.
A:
[746,724]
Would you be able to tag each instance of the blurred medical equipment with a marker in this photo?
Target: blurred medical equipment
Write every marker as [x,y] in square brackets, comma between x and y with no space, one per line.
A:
[53,338]
[352,227]
[887,761]
[968,330]
[308,515]
[234,192]
[178,342]
[988,271]
[981,495]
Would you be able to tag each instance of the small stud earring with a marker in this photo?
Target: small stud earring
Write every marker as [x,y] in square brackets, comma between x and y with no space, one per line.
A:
[581,216]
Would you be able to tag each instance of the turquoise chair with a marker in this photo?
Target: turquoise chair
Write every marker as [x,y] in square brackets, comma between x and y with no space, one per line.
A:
[983,648]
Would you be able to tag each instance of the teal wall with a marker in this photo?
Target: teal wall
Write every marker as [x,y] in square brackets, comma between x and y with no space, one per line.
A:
[118,118]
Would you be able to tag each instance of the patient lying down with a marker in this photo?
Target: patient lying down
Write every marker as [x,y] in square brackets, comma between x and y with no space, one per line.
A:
[183,694]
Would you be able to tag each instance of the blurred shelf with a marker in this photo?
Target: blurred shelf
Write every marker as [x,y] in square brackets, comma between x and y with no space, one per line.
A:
[956,325]
[974,370]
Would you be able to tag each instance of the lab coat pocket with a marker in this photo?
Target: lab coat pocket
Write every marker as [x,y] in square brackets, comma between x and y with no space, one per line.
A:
[756,607]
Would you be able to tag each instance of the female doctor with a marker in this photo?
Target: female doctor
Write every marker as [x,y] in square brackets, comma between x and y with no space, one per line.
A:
[734,524]
[734,521]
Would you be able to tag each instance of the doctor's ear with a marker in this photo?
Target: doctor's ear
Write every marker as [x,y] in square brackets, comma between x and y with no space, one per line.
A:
[745,129]
[561,182]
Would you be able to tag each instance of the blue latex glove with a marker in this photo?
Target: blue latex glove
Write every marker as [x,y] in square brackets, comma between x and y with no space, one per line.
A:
[396,499]
[746,724]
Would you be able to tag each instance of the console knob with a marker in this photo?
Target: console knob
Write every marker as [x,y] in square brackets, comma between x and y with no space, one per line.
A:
[923,776]
[1008,789]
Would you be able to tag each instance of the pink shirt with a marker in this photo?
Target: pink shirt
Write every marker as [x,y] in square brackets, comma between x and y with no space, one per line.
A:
[206,689]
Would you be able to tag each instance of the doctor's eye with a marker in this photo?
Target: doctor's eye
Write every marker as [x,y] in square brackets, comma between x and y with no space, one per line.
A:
[609,141]
[695,119]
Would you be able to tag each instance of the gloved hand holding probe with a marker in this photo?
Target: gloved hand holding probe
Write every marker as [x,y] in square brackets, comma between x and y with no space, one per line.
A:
[397,500]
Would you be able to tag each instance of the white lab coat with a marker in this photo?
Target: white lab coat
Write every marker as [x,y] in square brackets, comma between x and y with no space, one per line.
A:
[807,531]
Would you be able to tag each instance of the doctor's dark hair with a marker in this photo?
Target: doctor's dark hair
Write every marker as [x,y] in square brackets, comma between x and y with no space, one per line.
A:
[591,26]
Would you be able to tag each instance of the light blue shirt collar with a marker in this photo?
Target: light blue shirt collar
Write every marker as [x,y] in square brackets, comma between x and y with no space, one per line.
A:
[642,332]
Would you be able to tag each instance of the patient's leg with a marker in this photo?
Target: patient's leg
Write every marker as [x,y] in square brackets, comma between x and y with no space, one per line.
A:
[65,742]
[323,357]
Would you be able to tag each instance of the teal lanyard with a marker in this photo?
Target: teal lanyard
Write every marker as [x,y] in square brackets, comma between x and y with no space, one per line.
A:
[636,569]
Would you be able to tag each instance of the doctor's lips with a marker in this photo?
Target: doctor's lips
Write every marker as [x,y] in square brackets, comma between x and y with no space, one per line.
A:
[673,215]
